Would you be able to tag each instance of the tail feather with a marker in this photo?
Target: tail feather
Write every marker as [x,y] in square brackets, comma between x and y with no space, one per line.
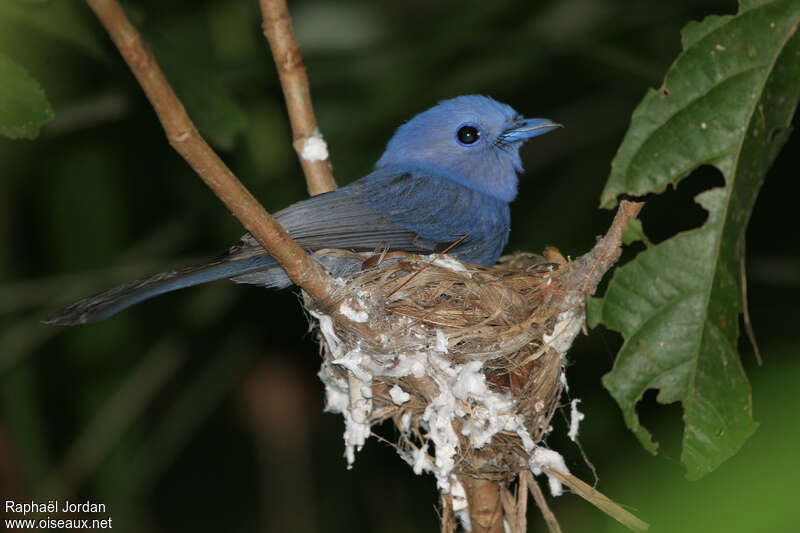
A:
[111,302]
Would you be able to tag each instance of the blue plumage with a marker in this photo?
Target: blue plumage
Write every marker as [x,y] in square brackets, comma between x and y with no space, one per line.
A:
[448,172]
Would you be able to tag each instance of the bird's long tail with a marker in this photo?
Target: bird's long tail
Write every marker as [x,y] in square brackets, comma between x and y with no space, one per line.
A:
[111,302]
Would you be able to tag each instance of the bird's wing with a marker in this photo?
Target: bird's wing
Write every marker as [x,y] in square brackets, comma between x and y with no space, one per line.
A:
[441,210]
[339,219]
[415,211]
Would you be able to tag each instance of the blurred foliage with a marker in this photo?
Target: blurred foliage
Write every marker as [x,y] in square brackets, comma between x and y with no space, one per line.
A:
[150,412]
[23,105]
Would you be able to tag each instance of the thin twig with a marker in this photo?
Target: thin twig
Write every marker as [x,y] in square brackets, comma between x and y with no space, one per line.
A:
[599,500]
[426,265]
[522,502]
[541,501]
[608,249]
[515,506]
[185,139]
[509,510]
[448,517]
[294,81]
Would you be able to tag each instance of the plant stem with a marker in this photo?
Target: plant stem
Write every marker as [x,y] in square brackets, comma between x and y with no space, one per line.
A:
[294,81]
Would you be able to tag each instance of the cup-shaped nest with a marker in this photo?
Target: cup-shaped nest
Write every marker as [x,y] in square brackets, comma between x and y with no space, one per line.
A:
[467,360]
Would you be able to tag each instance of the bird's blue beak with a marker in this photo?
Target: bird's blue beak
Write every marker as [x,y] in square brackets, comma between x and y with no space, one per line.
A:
[527,128]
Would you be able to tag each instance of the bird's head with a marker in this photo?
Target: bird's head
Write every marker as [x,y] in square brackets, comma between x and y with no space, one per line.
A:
[472,139]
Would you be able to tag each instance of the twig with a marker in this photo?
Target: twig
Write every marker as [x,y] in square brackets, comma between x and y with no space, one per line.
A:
[515,507]
[608,249]
[599,500]
[509,510]
[294,81]
[485,504]
[541,501]
[522,502]
[586,272]
[448,518]
[426,265]
[185,139]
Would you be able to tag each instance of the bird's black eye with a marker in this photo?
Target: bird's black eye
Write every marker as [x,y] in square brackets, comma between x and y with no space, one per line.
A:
[468,134]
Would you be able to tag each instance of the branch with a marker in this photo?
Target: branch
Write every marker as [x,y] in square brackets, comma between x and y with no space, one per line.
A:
[485,504]
[308,142]
[541,501]
[608,249]
[588,270]
[599,500]
[185,139]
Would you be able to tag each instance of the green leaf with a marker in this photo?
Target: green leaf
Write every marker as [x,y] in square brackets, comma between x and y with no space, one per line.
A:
[727,101]
[634,232]
[23,105]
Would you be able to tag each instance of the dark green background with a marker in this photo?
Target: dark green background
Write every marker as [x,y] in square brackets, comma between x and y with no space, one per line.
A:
[201,411]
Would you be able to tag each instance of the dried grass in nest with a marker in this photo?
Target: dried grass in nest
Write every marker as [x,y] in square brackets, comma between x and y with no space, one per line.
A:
[500,316]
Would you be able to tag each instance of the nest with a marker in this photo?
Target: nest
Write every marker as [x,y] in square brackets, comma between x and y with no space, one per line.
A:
[467,362]
[407,330]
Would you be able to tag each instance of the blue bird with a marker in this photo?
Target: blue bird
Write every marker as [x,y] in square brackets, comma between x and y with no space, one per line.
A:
[448,172]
